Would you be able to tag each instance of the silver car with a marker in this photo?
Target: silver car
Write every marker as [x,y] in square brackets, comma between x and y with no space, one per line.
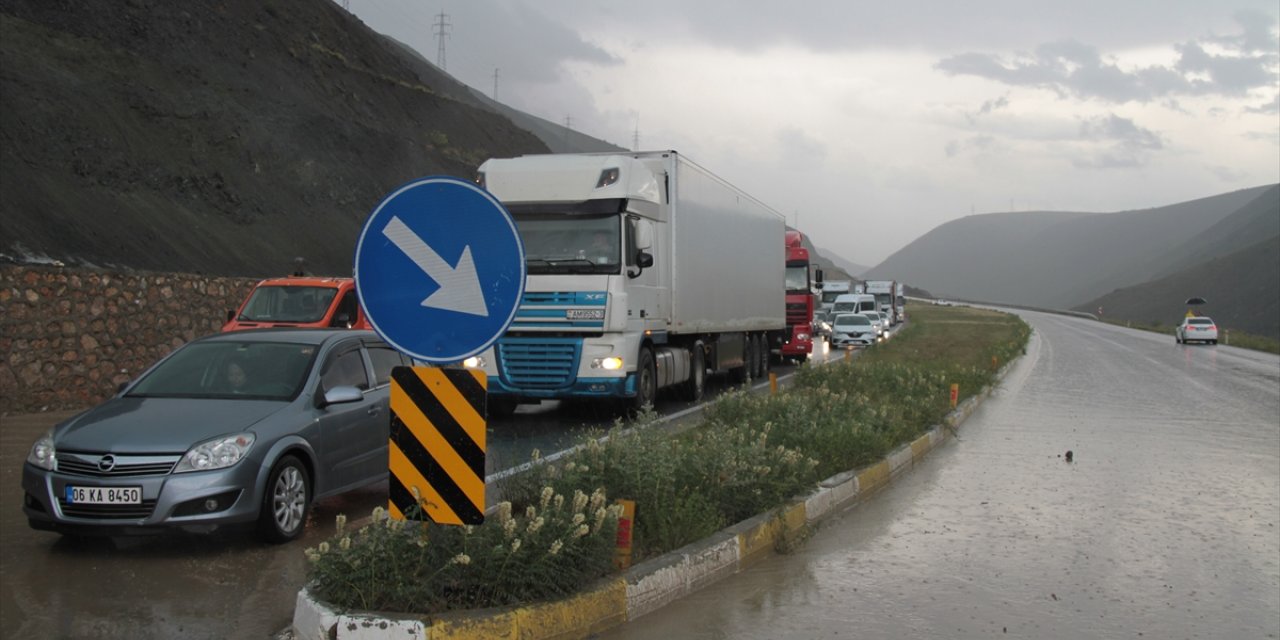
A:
[853,329]
[242,428]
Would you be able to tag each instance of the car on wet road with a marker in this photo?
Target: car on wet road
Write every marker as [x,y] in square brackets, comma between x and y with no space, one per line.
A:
[1196,329]
[242,428]
[853,329]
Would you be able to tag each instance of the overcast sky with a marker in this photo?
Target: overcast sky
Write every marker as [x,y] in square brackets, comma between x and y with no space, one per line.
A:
[869,123]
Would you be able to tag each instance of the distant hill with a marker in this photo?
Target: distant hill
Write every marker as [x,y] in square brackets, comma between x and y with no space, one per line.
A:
[558,138]
[1240,290]
[851,269]
[1064,259]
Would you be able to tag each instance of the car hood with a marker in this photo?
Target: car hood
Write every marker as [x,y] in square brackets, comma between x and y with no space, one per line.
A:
[159,425]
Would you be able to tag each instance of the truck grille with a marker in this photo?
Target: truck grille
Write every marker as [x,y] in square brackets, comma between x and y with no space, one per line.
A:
[89,464]
[797,313]
[538,363]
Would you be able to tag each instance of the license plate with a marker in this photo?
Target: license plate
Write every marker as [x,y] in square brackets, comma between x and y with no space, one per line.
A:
[104,495]
[584,314]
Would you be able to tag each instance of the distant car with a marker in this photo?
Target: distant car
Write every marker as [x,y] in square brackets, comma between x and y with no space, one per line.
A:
[1198,329]
[244,427]
[852,329]
[880,322]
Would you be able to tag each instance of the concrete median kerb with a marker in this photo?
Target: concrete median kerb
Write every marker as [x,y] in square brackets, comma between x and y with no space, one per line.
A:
[648,586]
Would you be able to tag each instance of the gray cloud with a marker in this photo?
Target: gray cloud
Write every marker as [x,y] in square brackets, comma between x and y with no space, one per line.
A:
[978,143]
[1075,69]
[1128,145]
[1267,107]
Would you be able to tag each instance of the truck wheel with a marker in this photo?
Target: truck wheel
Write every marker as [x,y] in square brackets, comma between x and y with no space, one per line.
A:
[646,381]
[502,407]
[741,374]
[692,388]
[286,501]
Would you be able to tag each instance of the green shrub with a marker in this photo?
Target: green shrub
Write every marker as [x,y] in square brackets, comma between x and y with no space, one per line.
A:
[547,550]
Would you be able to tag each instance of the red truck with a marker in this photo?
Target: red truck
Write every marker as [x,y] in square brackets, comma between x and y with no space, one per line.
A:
[299,301]
[800,299]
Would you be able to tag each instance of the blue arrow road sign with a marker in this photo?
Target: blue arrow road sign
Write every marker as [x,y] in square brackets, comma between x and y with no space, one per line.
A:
[440,269]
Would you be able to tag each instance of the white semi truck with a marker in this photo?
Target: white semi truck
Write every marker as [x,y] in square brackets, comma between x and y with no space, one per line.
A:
[832,289]
[886,293]
[645,271]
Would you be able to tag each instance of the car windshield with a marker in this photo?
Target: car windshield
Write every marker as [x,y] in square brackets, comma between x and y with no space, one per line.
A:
[873,315]
[226,369]
[1199,321]
[288,303]
[852,320]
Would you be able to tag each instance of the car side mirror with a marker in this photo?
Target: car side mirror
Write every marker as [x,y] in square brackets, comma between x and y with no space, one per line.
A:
[231,315]
[340,395]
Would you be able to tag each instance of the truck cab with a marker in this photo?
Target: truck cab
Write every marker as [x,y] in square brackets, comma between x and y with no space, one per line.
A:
[299,301]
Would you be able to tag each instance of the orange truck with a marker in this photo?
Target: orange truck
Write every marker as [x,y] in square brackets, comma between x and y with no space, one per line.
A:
[299,301]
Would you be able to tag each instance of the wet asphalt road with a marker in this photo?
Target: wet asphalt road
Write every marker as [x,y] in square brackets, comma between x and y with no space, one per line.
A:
[217,586]
[1165,525]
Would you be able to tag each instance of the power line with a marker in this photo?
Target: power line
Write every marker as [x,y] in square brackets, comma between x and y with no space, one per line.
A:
[441,31]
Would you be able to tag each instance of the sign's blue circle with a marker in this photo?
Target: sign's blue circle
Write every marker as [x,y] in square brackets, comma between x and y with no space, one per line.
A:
[439,268]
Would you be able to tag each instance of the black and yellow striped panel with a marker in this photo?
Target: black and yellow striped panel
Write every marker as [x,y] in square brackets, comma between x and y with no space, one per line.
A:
[437,444]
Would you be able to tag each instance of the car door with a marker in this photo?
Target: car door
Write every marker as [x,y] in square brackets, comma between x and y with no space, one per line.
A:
[345,444]
[373,464]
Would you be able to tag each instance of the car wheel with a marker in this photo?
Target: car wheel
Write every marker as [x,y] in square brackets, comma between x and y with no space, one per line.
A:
[693,387]
[646,382]
[286,502]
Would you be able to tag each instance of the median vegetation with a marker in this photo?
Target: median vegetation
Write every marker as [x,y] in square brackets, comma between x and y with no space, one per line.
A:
[752,453]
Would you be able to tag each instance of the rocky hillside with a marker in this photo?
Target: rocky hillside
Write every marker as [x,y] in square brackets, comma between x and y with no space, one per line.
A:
[222,138]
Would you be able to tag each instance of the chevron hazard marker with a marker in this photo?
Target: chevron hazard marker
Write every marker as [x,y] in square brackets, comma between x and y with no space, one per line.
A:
[437,458]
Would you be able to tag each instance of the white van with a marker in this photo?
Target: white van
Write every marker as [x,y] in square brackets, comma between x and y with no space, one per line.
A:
[854,303]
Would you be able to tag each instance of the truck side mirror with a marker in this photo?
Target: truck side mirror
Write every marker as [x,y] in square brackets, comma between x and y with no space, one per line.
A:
[817,277]
[644,260]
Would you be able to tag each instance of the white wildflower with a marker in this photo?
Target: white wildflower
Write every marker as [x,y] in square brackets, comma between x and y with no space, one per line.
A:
[340,522]
[578,518]
[515,545]
[580,500]
[547,492]
[556,546]
[461,558]
[535,525]
[582,530]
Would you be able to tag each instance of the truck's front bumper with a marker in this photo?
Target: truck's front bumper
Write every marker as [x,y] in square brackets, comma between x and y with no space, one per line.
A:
[580,388]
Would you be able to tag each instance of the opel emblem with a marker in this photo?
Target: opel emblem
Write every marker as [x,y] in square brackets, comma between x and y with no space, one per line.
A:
[107,463]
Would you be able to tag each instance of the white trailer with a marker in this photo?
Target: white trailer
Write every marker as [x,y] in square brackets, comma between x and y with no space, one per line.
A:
[645,271]
[886,293]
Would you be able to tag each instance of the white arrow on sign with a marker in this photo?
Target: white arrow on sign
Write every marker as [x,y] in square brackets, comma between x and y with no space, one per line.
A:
[459,285]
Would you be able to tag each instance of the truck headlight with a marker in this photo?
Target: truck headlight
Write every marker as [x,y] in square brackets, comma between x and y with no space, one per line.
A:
[218,453]
[611,363]
[474,362]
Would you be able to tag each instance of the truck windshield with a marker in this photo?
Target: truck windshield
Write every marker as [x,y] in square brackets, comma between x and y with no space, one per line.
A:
[798,278]
[563,243]
[301,304]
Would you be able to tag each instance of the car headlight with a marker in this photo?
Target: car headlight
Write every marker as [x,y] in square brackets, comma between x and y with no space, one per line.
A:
[43,454]
[218,453]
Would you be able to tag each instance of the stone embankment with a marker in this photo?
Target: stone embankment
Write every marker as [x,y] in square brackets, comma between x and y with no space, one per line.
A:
[70,336]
